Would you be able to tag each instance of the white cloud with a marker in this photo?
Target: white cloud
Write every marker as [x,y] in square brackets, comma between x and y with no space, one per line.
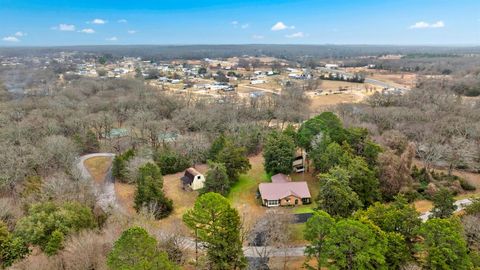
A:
[258,37]
[281,26]
[439,24]
[234,22]
[20,34]
[296,35]
[98,21]
[245,26]
[11,39]
[112,39]
[122,21]
[64,27]
[87,31]
[423,25]
[131,32]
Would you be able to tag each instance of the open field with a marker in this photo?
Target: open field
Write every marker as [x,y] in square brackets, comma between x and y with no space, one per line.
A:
[320,103]
[329,85]
[404,79]
[98,167]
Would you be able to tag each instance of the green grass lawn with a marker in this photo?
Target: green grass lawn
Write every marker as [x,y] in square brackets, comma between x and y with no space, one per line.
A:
[297,233]
[307,208]
[246,187]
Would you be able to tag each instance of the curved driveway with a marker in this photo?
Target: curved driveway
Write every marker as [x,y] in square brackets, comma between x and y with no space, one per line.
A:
[106,194]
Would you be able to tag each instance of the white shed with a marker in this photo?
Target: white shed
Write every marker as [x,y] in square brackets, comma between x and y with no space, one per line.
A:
[193,179]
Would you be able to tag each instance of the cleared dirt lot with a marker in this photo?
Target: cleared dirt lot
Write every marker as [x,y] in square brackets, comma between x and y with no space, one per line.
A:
[404,79]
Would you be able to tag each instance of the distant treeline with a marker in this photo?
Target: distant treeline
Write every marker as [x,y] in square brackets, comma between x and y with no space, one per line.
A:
[289,52]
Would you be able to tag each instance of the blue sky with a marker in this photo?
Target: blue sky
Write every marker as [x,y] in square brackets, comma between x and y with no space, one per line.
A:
[87,22]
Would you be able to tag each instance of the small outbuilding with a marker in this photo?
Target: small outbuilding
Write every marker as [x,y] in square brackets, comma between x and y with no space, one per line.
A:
[193,179]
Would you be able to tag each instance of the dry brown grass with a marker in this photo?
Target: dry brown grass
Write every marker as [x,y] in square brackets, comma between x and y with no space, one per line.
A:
[292,263]
[182,199]
[423,206]
[319,104]
[328,85]
[98,167]
[125,195]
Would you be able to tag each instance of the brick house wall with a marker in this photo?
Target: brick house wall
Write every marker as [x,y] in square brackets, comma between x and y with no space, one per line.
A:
[290,200]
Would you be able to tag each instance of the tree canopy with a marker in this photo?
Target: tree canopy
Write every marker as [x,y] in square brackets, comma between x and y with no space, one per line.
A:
[137,250]
[278,153]
[149,193]
[218,225]
[444,245]
[335,196]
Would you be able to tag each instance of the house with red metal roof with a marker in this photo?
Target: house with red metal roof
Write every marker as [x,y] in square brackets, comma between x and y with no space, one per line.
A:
[283,192]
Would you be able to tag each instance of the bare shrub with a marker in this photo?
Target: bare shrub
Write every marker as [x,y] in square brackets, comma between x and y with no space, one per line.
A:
[61,187]
[38,261]
[10,211]
[133,165]
[88,249]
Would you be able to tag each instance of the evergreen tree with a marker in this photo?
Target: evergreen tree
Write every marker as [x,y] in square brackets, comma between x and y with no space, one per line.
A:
[327,123]
[149,193]
[44,219]
[137,250]
[355,245]
[216,179]
[278,153]
[363,181]
[317,229]
[217,225]
[397,252]
[444,245]
[55,243]
[397,217]
[119,164]
[91,145]
[217,145]
[11,248]
[235,160]
[443,204]
[333,155]
[290,132]
[335,196]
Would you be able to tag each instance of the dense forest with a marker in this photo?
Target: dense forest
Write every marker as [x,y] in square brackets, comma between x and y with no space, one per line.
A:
[290,52]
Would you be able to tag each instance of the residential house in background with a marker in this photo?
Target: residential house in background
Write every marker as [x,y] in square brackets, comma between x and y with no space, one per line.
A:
[283,192]
[299,163]
[192,179]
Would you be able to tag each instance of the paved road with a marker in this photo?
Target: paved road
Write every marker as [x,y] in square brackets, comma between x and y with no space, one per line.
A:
[274,92]
[106,194]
